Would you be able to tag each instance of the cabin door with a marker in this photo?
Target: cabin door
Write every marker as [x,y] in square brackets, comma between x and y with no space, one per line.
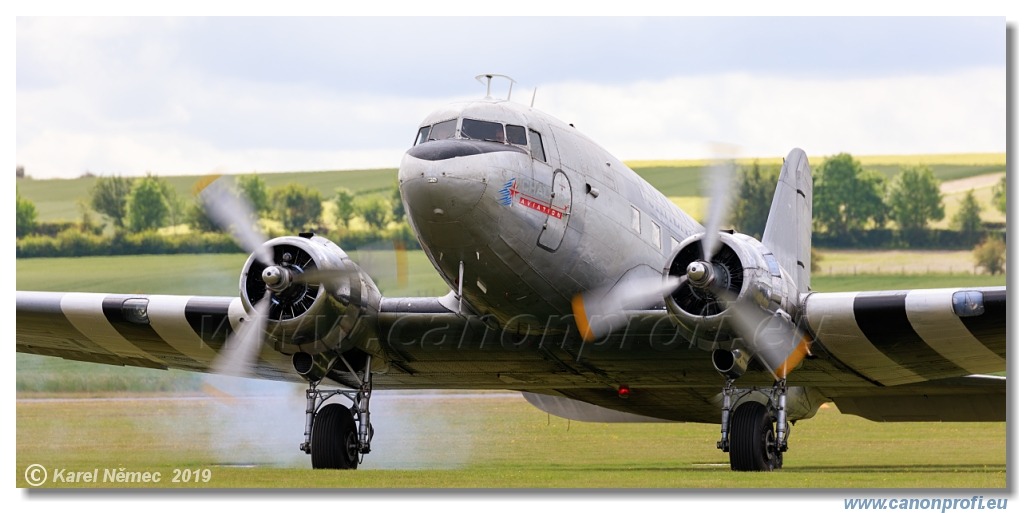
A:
[557,210]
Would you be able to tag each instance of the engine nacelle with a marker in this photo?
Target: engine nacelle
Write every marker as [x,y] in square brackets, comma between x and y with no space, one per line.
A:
[743,268]
[334,313]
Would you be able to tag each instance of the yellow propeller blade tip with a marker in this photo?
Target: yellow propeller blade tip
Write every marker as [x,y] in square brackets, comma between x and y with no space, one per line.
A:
[801,351]
[580,314]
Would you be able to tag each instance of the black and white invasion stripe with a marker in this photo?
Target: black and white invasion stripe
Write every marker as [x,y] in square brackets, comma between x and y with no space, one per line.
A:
[898,337]
[177,332]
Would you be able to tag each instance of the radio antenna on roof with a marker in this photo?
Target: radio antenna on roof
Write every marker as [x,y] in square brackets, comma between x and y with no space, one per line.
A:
[486,80]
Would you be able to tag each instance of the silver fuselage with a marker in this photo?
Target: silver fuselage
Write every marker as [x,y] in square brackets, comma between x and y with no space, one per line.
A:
[531,231]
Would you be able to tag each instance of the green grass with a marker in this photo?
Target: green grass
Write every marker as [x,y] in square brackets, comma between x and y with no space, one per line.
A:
[675,180]
[47,375]
[983,195]
[850,282]
[853,270]
[491,441]
[899,262]
[696,206]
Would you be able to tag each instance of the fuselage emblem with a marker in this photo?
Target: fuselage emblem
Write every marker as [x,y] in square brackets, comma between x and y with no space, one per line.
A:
[507,193]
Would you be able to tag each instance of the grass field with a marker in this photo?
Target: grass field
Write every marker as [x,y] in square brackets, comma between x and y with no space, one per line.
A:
[853,262]
[983,188]
[487,441]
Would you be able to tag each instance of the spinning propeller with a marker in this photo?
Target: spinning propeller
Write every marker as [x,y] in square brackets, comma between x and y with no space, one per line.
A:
[771,338]
[235,215]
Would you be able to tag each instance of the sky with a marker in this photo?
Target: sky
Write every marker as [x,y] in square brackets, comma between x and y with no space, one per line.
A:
[200,95]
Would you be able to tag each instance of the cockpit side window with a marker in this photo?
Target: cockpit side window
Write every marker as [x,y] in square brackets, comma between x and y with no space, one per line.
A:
[516,134]
[483,130]
[442,130]
[421,136]
[537,146]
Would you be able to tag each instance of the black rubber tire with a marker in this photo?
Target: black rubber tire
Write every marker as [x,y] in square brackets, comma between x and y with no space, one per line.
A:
[752,439]
[335,443]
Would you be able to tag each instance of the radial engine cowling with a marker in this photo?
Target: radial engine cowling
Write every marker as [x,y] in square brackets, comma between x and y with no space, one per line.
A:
[741,269]
[336,311]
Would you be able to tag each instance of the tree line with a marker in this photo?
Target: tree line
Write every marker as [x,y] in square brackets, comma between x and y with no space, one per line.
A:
[136,209]
[855,207]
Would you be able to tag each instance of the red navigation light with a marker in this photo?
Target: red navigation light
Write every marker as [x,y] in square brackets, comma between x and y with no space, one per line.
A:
[624,391]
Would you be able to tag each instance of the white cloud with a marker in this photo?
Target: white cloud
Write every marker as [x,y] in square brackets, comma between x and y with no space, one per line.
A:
[193,126]
[766,116]
[130,95]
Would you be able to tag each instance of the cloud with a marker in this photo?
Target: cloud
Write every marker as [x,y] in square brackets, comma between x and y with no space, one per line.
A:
[964,111]
[170,95]
[239,127]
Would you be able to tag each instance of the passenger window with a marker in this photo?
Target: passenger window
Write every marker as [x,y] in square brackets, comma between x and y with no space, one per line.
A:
[675,242]
[537,146]
[482,130]
[516,134]
[421,136]
[442,130]
[636,220]
[656,234]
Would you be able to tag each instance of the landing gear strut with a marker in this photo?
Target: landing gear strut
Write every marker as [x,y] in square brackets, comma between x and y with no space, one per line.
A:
[337,437]
[754,434]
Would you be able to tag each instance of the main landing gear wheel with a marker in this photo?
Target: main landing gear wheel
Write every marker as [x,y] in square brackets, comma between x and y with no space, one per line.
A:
[752,444]
[337,437]
[335,442]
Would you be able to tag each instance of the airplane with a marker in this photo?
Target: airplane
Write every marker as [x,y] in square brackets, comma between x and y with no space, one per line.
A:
[573,281]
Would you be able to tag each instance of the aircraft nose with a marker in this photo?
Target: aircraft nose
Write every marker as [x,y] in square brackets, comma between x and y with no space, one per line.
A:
[438,187]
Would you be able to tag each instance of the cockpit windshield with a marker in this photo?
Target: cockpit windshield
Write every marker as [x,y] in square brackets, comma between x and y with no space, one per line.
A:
[483,130]
[477,130]
[442,130]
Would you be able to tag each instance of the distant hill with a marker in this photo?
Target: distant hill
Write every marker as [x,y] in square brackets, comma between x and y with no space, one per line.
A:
[58,199]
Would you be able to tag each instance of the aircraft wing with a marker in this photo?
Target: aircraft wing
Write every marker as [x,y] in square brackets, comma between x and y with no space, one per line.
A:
[158,332]
[899,337]
[900,355]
